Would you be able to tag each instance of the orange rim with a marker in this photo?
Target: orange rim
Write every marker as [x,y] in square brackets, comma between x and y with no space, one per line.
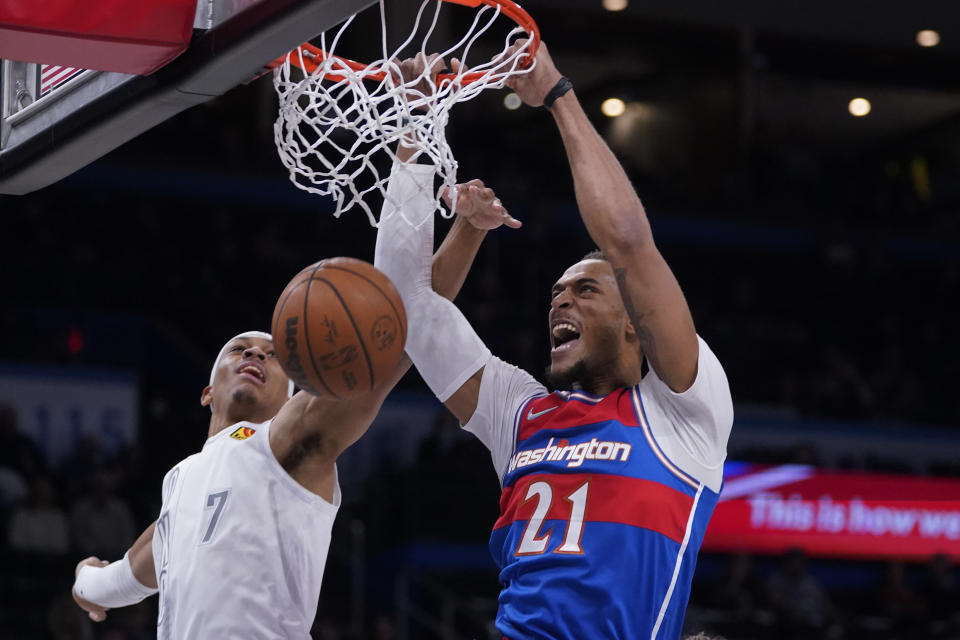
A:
[313,56]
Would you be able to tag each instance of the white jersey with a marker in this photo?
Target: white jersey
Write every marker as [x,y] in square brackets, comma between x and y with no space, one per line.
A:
[691,428]
[240,546]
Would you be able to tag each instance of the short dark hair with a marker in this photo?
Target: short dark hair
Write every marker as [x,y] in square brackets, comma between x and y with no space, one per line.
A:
[596,254]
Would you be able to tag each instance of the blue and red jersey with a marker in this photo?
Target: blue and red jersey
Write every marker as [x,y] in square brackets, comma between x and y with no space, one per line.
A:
[598,531]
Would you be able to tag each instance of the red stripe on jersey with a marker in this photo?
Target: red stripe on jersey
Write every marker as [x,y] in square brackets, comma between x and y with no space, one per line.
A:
[611,498]
[553,412]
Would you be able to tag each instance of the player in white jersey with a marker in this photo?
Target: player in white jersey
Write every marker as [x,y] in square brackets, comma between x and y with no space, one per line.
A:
[241,542]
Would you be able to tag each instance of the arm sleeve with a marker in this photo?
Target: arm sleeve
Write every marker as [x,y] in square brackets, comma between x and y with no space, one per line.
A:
[504,390]
[695,424]
[440,342]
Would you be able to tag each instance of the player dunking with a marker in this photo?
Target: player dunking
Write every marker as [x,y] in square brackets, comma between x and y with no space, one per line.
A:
[608,484]
[241,542]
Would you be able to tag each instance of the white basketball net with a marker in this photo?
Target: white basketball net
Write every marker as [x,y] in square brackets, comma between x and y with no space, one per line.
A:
[332,133]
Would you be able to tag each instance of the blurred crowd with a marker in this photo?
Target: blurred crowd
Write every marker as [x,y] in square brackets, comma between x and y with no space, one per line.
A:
[761,598]
[836,329]
[54,516]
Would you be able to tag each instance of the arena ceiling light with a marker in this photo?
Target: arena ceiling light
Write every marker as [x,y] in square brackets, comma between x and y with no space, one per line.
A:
[512,101]
[859,107]
[613,107]
[614,5]
[928,38]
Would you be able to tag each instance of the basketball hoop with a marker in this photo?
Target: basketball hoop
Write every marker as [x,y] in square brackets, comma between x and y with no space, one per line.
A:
[342,118]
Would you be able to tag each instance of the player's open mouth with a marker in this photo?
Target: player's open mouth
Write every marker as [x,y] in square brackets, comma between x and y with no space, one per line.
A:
[564,336]
[254,371]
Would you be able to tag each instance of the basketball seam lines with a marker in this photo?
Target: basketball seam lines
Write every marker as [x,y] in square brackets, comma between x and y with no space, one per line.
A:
[278,328]
[377,287]
[356,329]
[290,293]
[306,332]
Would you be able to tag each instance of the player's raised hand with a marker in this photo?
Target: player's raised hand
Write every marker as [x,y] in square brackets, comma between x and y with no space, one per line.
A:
[95,611]
[419,74]
[480,206]
[533,87]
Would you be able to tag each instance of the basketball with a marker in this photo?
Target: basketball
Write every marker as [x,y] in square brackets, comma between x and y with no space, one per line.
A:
[339,328]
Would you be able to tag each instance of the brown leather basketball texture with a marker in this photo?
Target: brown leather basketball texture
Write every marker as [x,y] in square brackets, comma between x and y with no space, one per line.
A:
[339,328]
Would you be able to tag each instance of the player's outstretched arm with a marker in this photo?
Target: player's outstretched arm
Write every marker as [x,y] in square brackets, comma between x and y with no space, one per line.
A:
[447,352]
[618,224]
[320,428]
[478,210]
[100,585]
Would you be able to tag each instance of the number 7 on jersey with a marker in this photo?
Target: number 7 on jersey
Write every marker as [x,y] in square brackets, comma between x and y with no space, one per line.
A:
[215,504]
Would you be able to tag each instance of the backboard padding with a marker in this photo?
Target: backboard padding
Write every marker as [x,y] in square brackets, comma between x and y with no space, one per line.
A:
[110,109]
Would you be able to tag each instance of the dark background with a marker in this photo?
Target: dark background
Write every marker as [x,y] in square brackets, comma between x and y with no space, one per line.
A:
[819,253]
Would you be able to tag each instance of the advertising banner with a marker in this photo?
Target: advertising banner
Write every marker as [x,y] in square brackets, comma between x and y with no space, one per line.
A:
[771,509]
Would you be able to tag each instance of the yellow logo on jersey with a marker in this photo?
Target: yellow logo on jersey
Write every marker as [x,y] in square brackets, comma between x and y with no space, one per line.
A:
[242,433]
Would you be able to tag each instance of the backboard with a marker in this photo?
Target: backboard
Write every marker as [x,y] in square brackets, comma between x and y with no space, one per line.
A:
[56,119]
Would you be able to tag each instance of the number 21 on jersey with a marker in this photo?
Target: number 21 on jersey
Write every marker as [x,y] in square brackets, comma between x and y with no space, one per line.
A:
[531,543]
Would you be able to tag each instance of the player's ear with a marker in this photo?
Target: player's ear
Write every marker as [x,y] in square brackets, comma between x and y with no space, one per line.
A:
[629,331]
[206,396]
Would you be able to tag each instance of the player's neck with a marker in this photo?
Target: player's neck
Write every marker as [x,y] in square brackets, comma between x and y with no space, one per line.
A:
[604,388]
[220,421]
[217,424]
[609,379]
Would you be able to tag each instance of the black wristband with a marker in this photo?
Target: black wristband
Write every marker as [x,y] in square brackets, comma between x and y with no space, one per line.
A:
[563,85]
